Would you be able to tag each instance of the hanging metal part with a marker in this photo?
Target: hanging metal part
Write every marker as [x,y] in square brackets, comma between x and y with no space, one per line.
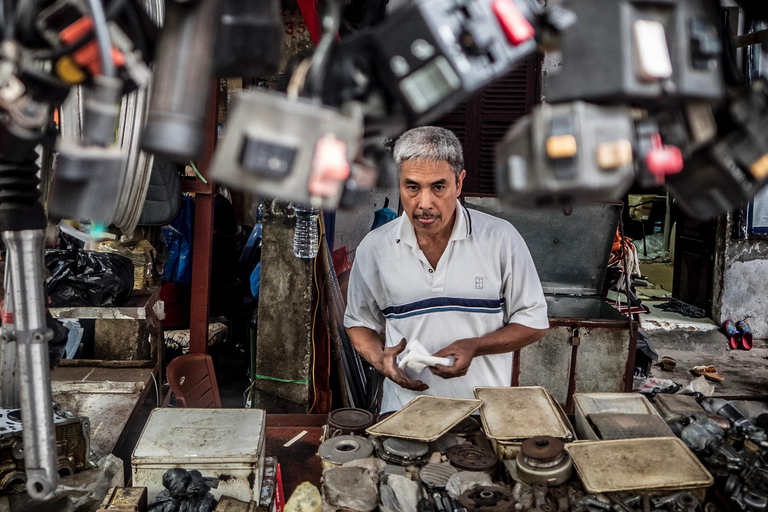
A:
[488,499]
[26,250]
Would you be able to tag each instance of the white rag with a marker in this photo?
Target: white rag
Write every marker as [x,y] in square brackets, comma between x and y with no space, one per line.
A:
[417,358]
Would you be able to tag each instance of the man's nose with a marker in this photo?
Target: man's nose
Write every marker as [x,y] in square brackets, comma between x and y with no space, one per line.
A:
[426,200]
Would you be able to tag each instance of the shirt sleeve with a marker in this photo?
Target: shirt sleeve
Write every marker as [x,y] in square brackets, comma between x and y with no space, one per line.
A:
[362,309]
[524,301]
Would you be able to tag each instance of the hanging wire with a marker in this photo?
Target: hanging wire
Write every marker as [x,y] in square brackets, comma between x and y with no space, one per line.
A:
[330,22]
[101,29]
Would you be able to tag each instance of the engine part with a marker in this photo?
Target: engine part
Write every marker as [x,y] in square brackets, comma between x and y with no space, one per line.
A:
[565,154]
[468,457]
[287,148]
[341,449]
[72,447]
[435,476]
[544,459]
[348,421]
[644,52]
[435,53]
[560,495]
[183,77]
[403,452]
[487,499]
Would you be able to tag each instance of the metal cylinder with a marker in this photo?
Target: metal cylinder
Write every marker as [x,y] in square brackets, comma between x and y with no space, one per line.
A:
[183,76]
[26,250]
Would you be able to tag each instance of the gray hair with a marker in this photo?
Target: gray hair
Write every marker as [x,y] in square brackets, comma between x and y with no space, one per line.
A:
[430,143]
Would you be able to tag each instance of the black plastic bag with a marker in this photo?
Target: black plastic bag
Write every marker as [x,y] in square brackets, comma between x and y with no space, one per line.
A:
[185,491]
[87,278]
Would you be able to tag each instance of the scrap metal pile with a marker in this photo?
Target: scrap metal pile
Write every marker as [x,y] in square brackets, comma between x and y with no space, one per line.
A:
[467,468]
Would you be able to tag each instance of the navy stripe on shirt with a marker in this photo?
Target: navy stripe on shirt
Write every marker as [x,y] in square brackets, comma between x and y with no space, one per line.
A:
[441,304]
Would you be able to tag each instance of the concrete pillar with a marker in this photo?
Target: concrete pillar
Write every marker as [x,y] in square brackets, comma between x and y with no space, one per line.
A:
[284,336]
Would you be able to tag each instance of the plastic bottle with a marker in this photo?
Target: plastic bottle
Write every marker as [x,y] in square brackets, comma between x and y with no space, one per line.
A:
[305,239]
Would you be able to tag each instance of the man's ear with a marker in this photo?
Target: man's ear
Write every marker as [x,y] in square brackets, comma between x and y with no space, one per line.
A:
[460,181]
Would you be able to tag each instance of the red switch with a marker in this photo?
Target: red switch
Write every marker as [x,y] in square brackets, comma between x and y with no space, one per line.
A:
[662,160]
[516,27]
[329,167]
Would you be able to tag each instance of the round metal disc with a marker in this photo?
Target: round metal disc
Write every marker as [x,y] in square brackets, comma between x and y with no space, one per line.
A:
[405,447]
[542,449]
[488,499]
[350,420]
[437,475]
[339,450]
[468,457]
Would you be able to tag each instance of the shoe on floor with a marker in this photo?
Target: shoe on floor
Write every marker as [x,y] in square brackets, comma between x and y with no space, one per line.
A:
[734,336]
[746,334]
[709,372]
[668,364]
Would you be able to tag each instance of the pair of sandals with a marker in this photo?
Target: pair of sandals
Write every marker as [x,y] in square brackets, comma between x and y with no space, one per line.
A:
[739,334]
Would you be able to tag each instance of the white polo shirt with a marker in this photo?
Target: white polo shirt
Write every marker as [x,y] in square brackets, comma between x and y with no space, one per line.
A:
[484,280]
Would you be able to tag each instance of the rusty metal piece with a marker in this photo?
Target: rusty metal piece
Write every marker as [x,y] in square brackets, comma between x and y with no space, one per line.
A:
[544,459]
[487,499]
[468,457]
[349,421]
[646,504]
[591,502]
[527,500]
[542,449]
[465,427]
[125,499]
[539,490]
[547,507]
[560,496]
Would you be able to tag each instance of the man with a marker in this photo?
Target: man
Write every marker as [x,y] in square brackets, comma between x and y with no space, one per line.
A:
[461,283]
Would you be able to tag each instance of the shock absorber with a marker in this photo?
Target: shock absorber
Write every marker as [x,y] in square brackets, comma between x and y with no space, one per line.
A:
[22,224]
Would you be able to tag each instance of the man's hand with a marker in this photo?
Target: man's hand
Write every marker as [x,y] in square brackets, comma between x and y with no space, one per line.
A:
[462,351]
[387,365]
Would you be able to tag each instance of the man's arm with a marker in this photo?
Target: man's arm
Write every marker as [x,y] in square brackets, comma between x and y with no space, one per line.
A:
[507,339]
[384,359]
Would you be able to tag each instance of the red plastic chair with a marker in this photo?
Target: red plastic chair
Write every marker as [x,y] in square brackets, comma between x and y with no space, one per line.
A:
[193,382]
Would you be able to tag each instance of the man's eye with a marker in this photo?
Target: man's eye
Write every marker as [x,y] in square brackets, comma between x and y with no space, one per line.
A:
[439,187]
[412,187]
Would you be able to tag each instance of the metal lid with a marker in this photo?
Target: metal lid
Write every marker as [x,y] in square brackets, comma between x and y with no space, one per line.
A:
[341,449]
[637,465]
[405,447]
[350,420]
[425,418]
[468,457]
[571,251]
[437,475]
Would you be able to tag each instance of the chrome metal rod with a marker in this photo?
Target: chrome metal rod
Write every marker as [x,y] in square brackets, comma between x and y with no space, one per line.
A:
[10,397]
[32,335]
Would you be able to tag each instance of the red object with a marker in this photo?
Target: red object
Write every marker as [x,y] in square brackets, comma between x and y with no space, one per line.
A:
[516,27]
[329,167]
[663,160]
[309,13]
[88,56]
[193,382]
[279,496]
[7,318]
[203,241]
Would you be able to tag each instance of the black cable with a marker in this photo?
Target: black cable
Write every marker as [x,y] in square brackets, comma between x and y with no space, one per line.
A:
[102,37]
[9,28]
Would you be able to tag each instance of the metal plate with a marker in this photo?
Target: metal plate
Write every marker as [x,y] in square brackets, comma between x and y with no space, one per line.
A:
[520,413]
[341,449]
[609,425]
[437,475]
[637,464]
[425,418]
[570,251]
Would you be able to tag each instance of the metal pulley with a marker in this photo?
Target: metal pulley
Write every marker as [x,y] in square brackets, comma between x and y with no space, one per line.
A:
[544,459]
[341,449]
[468,457]
[348,421]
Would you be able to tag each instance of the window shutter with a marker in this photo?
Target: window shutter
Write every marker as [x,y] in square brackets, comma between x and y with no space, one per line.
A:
[483,120]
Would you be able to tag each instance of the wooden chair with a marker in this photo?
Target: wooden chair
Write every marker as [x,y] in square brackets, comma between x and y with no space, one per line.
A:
[193,382]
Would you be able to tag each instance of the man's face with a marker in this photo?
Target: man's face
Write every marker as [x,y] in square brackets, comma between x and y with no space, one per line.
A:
[428,192]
